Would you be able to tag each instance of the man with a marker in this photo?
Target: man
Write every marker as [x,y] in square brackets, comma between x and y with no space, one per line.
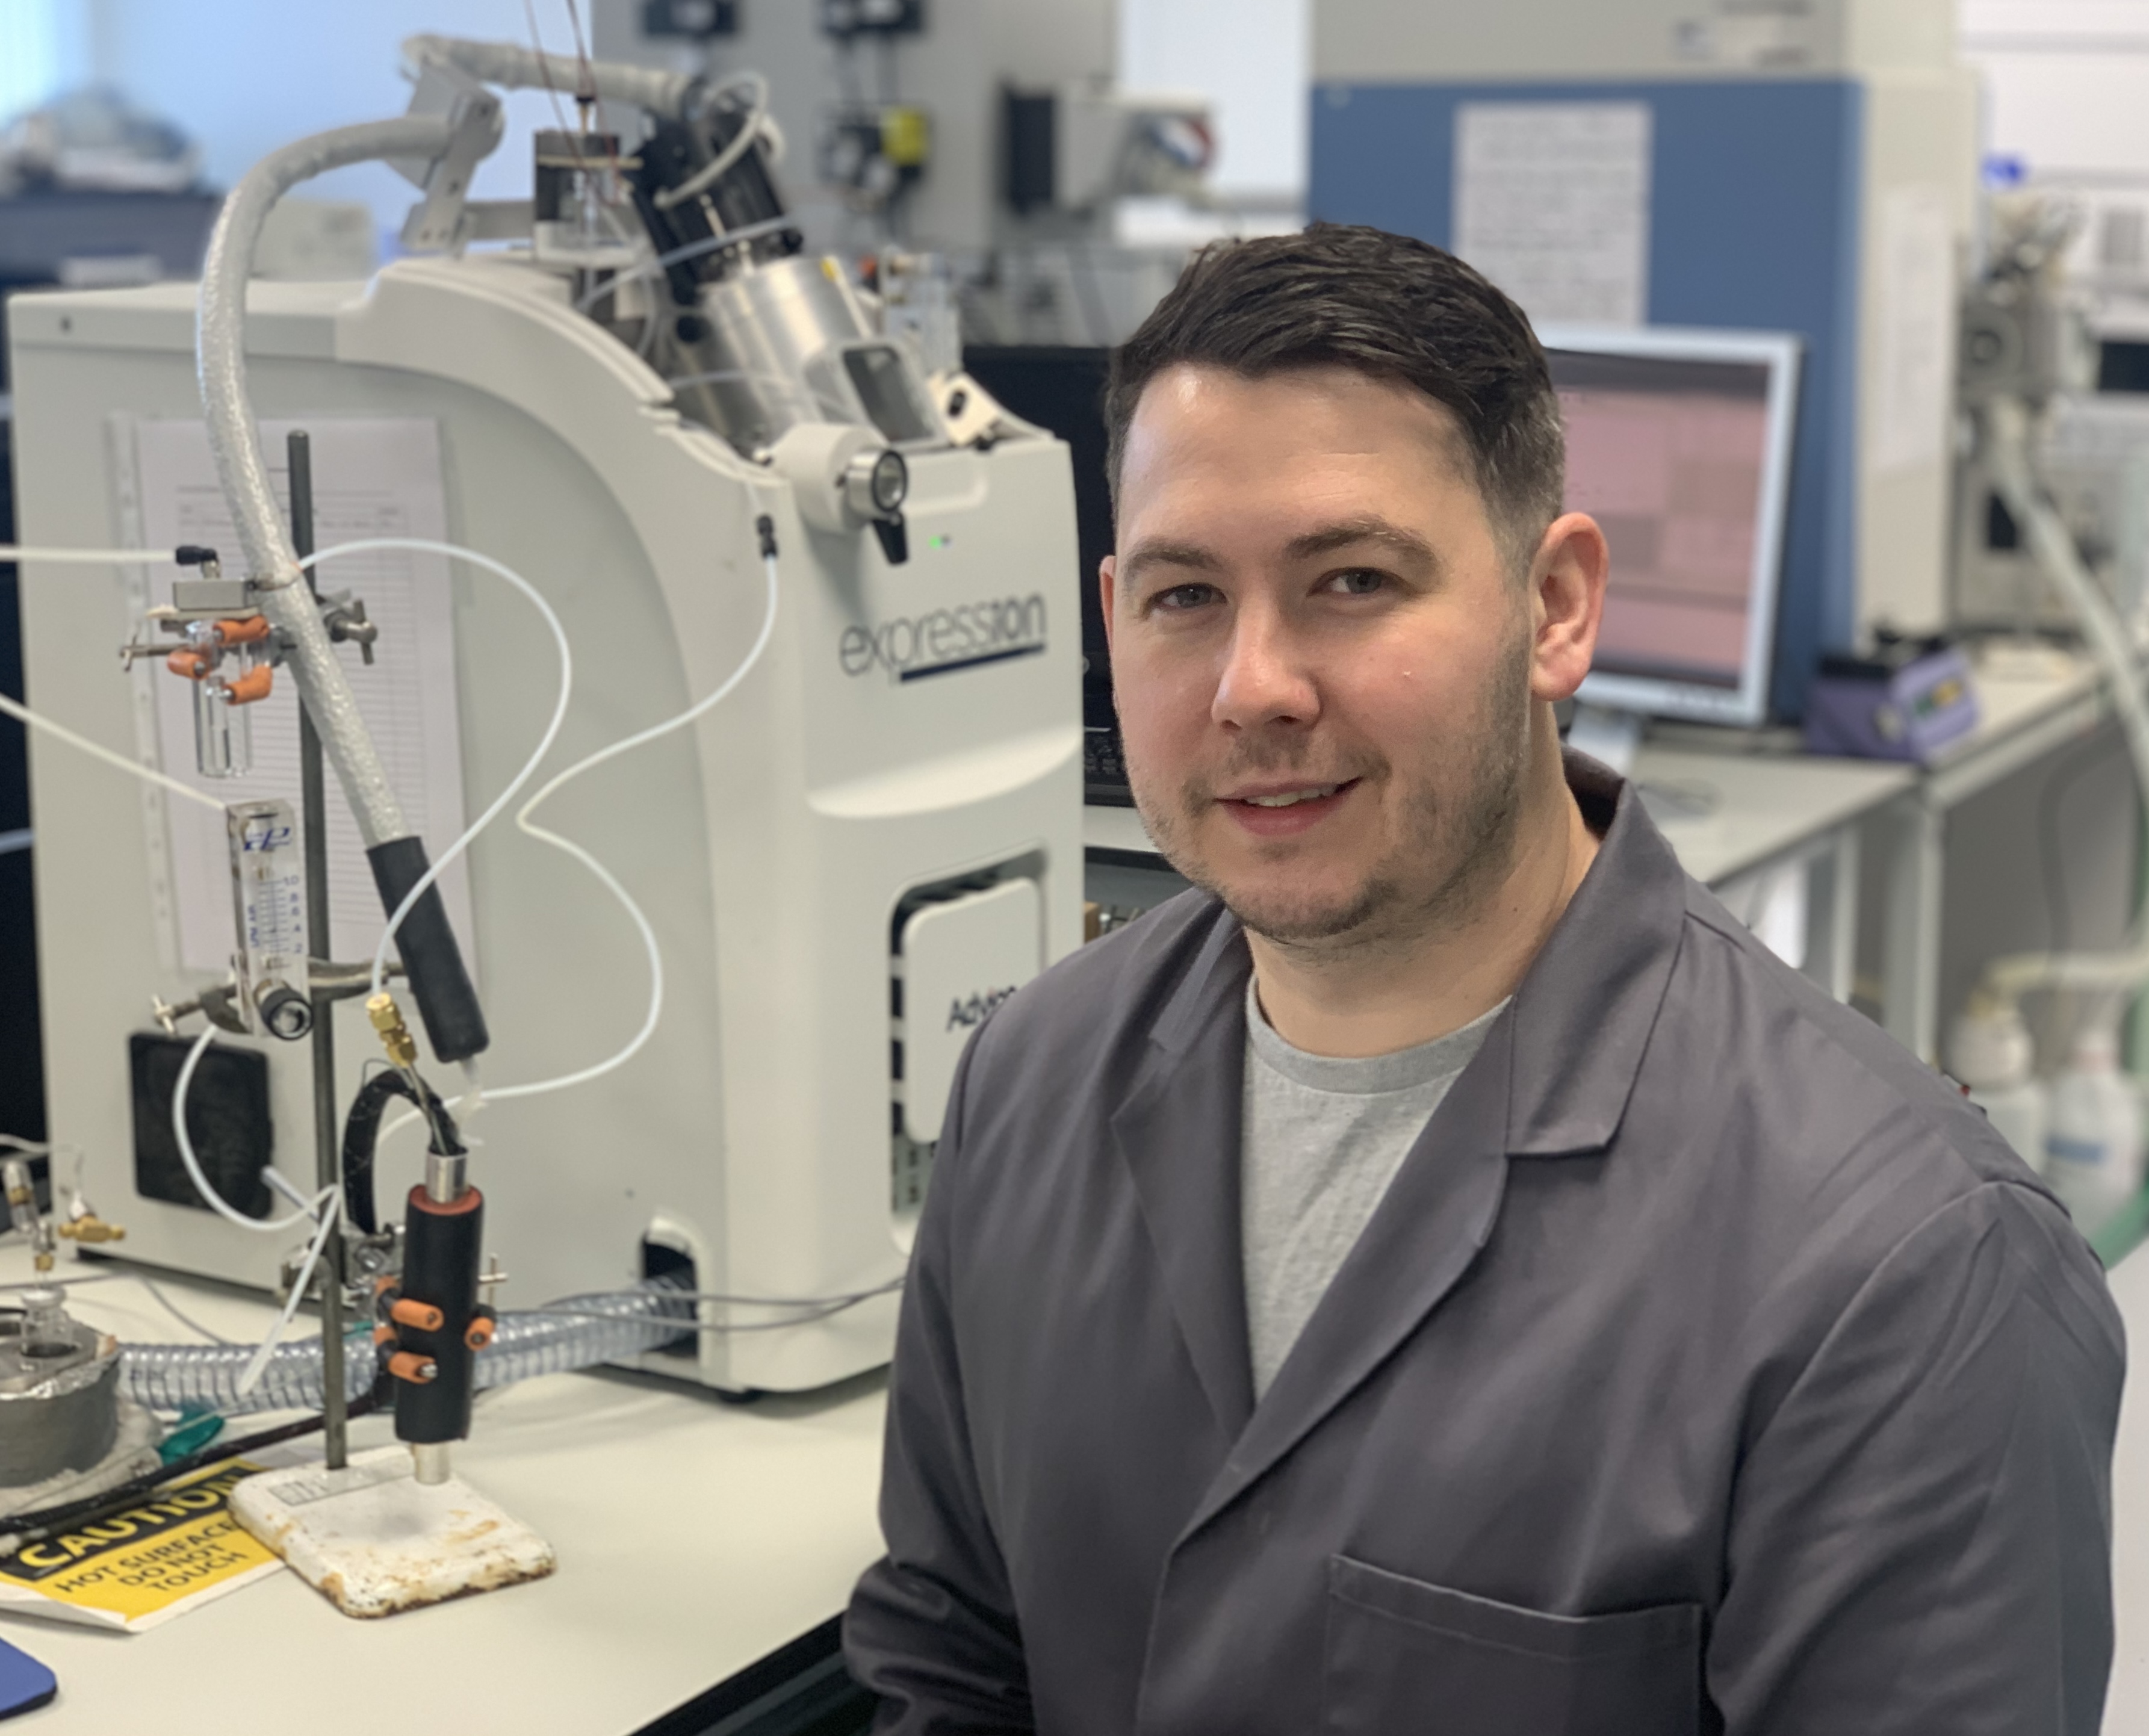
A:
[1442,1275]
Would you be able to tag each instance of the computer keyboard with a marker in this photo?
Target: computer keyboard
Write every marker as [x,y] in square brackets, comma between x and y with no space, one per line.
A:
[1105,769]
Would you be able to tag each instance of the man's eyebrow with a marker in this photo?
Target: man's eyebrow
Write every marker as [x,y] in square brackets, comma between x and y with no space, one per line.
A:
[1346,533]
[1145,555]
[1350,531]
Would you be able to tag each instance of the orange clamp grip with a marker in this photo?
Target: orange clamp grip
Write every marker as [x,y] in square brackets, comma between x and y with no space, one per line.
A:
[410,1365]
[423,1315]
[191,664]
[251,685]
[480,1334]
[251,630]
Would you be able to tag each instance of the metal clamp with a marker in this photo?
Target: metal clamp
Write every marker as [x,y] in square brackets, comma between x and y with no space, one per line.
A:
[345,618]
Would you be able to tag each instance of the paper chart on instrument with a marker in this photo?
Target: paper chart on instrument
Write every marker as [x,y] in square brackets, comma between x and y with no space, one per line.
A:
[372,477]
[1914,381]
[1552,203]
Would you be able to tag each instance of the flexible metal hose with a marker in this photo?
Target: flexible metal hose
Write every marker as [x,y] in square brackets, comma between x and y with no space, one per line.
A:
[601,1328]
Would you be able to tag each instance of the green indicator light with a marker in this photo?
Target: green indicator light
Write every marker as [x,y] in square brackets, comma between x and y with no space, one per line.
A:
[937,542]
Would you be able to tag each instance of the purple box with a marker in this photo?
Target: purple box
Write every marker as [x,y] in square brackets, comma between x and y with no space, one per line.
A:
[1908,700]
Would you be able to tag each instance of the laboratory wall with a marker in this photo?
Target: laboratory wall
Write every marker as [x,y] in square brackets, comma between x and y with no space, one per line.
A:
[2063,81]
[1254,72]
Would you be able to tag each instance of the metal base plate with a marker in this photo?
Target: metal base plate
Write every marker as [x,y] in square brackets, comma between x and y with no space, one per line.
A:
[374,1541]
[134,1451]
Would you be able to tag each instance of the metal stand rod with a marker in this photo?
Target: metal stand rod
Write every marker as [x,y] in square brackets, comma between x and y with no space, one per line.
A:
[328,1166]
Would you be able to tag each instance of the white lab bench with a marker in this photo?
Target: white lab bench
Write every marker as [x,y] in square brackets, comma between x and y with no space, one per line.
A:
[2023,718]
[695,1538]
[1775,812]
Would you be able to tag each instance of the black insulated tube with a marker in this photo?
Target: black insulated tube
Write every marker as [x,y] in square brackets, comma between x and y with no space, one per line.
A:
[447,1002]
[441,1245]
[361,1131]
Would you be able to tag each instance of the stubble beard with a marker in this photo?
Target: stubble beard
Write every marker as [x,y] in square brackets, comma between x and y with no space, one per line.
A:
[1452,846]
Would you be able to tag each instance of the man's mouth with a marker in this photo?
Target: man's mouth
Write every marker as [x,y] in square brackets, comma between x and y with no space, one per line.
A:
[1312,793]
[1280,794]
[1278,810]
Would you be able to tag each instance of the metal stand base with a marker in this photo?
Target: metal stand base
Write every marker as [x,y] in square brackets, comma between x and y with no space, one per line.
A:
[374,1540]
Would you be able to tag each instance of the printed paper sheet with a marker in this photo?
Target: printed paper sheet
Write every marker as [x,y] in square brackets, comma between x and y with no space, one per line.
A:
[1915,372]
[371,478]
[1552,203]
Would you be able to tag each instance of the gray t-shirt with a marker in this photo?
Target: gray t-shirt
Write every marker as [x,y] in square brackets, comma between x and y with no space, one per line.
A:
[1321,1139]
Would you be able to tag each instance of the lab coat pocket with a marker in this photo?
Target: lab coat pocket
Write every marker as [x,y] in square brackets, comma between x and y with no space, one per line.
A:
[1402,1656]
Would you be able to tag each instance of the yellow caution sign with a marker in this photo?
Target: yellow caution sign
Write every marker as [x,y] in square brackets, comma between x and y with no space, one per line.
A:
[144,1564]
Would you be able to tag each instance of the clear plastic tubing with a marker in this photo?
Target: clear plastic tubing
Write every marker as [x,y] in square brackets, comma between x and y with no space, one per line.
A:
[205,1377]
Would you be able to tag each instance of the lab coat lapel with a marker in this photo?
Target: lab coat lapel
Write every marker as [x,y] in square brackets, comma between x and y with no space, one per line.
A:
[1429,1229]
[1178,1133]
[1551,1081]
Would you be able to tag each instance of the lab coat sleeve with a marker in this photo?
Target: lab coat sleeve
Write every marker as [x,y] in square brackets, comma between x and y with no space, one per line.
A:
[931,1628]
[1919,1538]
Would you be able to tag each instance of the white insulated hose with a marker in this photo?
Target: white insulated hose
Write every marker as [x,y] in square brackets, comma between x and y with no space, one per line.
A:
[2007,457]
[271,562]
[513,67]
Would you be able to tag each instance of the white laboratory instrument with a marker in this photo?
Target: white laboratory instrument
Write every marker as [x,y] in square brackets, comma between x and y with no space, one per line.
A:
[890,797]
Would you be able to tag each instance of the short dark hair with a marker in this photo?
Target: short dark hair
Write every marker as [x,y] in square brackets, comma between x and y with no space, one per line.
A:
[1399,310]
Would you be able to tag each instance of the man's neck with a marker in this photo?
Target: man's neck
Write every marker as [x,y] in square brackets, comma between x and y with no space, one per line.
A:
[1376,1000]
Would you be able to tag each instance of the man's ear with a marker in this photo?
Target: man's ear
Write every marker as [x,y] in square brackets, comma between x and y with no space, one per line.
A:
[1107,583]
[1566,604]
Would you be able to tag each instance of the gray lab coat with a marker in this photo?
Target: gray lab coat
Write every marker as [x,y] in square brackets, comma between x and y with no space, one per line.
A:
[1710,1365]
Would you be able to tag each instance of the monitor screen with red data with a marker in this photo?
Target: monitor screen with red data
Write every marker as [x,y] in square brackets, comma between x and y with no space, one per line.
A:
[1678,445]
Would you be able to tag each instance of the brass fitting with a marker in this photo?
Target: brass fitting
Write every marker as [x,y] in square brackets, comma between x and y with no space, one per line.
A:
[395,1035]
[91,1228]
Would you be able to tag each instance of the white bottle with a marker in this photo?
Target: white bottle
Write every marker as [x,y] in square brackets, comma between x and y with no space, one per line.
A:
[1989,1050]
[2093,1146]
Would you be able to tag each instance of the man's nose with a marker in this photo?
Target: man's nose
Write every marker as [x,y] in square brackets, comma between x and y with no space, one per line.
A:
[1265,679]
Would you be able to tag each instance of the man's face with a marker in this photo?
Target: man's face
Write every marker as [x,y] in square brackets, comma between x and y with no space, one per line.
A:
[1322,657]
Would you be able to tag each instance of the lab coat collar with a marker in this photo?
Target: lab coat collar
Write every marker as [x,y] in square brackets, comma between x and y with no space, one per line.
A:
[1178,1134]
[1584,1012]
[1551,1079]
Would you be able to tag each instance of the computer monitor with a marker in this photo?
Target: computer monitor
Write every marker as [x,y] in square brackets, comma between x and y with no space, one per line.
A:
[1062,388]
[1679,443]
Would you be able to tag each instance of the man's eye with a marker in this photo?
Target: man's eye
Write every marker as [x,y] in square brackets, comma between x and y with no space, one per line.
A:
[1357,581]
[1184,596]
